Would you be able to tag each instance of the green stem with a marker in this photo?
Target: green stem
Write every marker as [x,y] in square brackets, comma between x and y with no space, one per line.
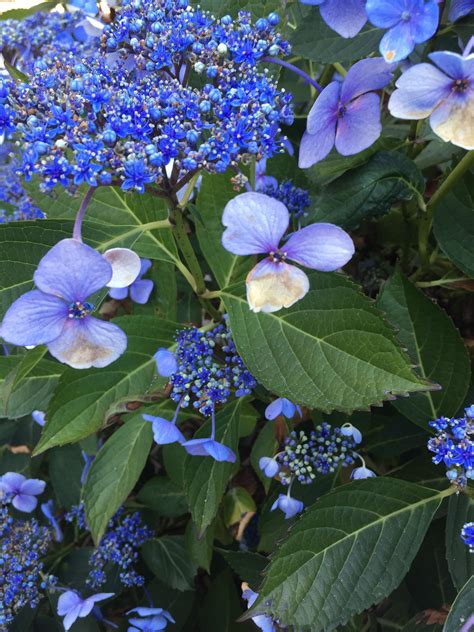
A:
[163,223]
[458,171]
[182,240]
[442,282]
[340,69]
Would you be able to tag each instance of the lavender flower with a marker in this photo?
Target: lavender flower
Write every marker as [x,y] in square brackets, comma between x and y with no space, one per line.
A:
[460,8]
[72,606]
[346,18]
[289,505]
[444,93]
[164,431]
[346,114]
[255,223]
[269,467]
[21,490]
[139,290]
[149,619]
[410,22]
[263,622]
[282,406]
[57,313]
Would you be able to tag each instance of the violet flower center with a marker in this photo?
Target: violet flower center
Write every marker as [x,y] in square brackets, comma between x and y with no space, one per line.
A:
[80,310]
[460,85]
[277,256]
[406,16]
[341,110]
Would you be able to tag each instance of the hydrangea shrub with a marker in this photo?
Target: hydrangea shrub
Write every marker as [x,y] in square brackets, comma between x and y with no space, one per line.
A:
[235,316]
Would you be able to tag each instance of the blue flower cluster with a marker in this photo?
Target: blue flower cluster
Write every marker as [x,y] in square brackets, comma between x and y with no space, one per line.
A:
[453,445]
[208,370]
[125,534]
[22,545]
[296,200]
[171,86]
[19,205]
[467,534]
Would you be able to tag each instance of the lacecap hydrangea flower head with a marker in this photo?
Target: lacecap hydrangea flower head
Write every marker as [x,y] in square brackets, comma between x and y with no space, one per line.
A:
[171,86]
[256,224]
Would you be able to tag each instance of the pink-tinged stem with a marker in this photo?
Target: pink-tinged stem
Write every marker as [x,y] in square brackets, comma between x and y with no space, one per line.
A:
[295,69]
[77,230]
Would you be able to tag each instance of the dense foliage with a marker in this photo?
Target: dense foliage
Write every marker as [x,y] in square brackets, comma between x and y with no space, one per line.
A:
[236,316]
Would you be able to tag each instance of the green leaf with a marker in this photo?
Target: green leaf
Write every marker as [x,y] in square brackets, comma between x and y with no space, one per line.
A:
[215,192]
[21,14]
[199,548]
[247,565]
[237,502]
[15,74]
[453,225]
[221,607]
[205,480]
[33,391]
[168,559]
[164,497]
[460,560]
[369,190]
[264,445]
[65,469]
[434,346]
[348,551]
[84,399]
[461,613]
[114,472]
[331,350]
[314,40]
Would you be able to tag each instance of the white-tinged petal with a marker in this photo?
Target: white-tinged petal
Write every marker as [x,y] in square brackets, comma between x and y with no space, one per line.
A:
[125,264]
[272,286]
[453,121]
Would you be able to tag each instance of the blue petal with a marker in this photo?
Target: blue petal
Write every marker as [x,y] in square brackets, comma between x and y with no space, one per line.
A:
[460,8]
[453,64]
[385,13]
[323,247]
[140,291]
[419,90]
[366,75]
[166,362]
[164,431]
[273,410]
[346,18]
[360,126]
[397,43]
[424,25]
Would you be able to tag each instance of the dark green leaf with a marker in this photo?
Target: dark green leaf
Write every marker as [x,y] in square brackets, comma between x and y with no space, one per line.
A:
[168,559]
[179,604]
[14,73]
[461,613]
[164,497]
[370,190]
[83,399]
[460,560]
[21,14]
[347,552]
[199,547]
[65,469]
[25,364]
[222,607]
[237,503]
[454,225]
[331,350]
[247,565]
[434,346]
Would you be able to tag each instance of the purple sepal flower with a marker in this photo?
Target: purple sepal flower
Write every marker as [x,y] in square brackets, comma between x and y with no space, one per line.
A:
[164,431]
[166,362]
[255,224]
[48,511]
[140,289]
[209,447]
[39,416]
[362,472]
[290,506]
[58,315]
[410,22]
[460,8]
[262,621]
[348,430]
[282,406]
[270,467]
[22,490]
[445,94]
[72,606]
[346,114]
[151,619]
[346,18]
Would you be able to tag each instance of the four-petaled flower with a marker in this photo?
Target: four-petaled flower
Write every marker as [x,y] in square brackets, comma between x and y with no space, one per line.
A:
[346,114]
[269,466]
[410,22]
[58,315]
[346,18]
[282,406]
[166,362]
[149,619]
[289,505]
[140,289]
[21,490]
[165,431]
[255,224]
[348,430]
[72,606]
[445,94]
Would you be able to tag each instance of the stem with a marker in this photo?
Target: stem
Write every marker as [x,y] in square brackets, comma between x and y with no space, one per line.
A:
[77,230]
[295,69]
[182,240]
[213,422]
[340,69]
[458,171]
[442,282]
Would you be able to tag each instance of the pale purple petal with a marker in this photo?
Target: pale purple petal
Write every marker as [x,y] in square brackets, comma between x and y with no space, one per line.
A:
[418,92]
[164,431]
[118,293]
[274,410]
[125,264]
[383,13]
[346,18]
[254,223]
[196,447]
[145,266]
[166,362]
[71,617]
[323,114]
[323,247]
[220,452]
[39,416]
[88,342]
[360,126]
[141,290]
[271,286]
[145,612]
[425,25]
[454,65]
[72,271]
[453,121]
[11,482]
[32,487]
[312,2]
[364,76]
[34,319]
[67,601]
[100,597]
[315,148]
[397,43]
[25,502]
[460,8]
